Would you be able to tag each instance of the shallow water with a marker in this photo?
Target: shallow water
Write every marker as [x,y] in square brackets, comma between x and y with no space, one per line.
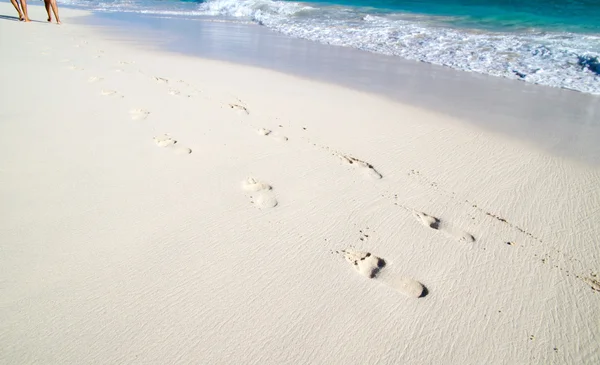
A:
[554,43]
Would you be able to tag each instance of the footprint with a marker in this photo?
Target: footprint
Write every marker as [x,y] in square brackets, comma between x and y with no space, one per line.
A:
[262,196]
[251,184]
[268,132]
[139,114]
[240,108]
[95,79]
[435,223]
[279,138]
[595,284]
[167,141]
[108,92]
[264,132]
[371,266]
[180,150]
[161,80]
[164,140]
[366,168]
[264,200]
[73,67]
[174,92]
[364,262]
[407,286]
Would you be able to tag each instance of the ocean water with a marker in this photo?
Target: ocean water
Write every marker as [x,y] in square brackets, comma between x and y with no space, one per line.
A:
[548,42]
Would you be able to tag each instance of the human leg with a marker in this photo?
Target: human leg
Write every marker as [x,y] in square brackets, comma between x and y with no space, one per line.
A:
[16,5]
[47,5]
[24,10]
[55,10]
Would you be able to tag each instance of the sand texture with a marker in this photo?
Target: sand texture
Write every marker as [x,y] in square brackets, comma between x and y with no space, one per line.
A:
[163,209]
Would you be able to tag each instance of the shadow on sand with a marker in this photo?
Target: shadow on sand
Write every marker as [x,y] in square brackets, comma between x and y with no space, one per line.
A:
[16,19]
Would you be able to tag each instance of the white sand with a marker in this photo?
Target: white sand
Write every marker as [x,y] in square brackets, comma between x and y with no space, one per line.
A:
[127,236]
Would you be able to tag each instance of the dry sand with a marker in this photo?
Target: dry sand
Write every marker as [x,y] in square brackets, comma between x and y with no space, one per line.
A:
[163,209]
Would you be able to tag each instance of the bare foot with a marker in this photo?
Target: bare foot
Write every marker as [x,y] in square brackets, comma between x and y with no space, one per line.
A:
[27,20]
[49,20]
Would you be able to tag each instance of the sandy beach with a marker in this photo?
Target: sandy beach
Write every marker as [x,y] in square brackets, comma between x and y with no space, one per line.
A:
[158,208]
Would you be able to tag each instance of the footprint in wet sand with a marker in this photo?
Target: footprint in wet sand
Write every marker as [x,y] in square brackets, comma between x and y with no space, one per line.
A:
[267,132]
[262,195]
[372,267]
[166,141]
[448,230]
[366,168]
[139,114]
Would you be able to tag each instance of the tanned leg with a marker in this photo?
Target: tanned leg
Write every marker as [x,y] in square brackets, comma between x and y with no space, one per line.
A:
[47,5]
[24,9]
[55,10]
[14,2]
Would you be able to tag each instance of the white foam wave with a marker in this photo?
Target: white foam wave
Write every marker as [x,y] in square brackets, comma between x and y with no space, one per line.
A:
[550,59]
[256,9]
[554,59]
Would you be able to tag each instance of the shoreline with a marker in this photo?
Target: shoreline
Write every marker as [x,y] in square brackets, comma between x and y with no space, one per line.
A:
[559,121]
[535,55]
[161,208]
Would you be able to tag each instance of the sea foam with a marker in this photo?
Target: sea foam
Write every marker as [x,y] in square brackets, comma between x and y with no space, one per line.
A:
[564,60]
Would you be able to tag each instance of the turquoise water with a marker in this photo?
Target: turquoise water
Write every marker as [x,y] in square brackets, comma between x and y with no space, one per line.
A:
[499,15]
[548,42]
